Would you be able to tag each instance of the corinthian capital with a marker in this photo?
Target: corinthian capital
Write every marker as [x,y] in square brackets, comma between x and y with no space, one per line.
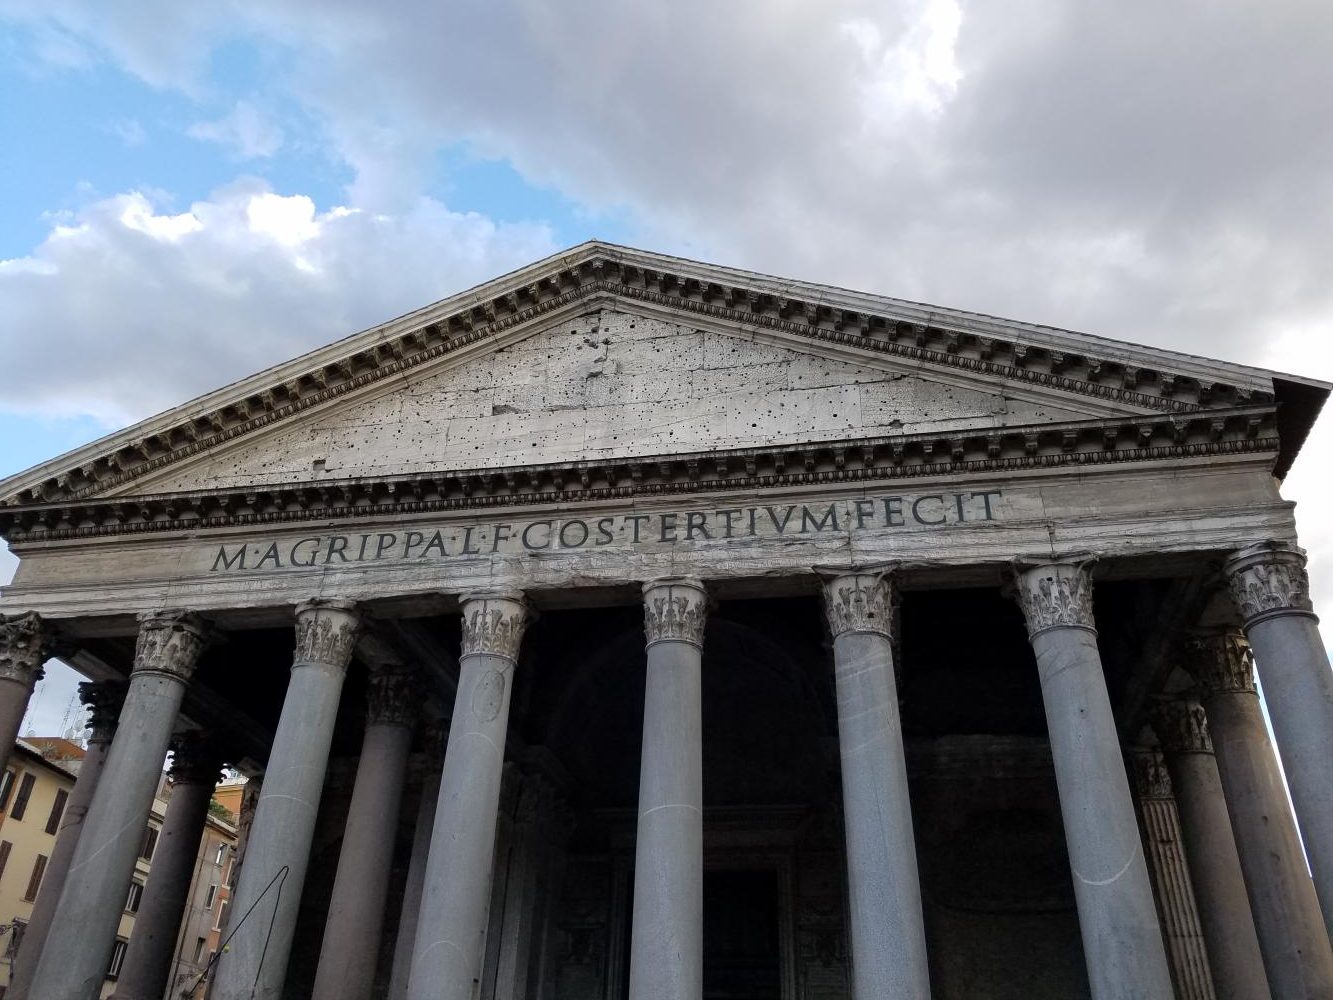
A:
[1150,774]
[493,624]
[24,645]
[1221,662]
[1267,580]
[392,698]
[196,758]
[675,609]
[326,632]
[1181,725]
[1055,595]
[103,699]
[169,643]
[859,602]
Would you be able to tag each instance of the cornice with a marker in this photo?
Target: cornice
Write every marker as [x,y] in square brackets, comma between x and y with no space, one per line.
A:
[1155,437]
[601,271]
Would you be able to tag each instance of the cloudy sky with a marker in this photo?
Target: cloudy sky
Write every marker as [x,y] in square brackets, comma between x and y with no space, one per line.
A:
[191,192]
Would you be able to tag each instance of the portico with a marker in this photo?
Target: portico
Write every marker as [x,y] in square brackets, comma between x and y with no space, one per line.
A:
[785,649]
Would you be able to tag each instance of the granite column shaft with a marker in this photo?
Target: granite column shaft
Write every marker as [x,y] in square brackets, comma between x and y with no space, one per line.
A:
[195,771]
[104,701]
[1287,918]
[1272,592]
[1122,937]
[888,933]
[451,923]
[666,938]
[356,912]
[83,930]
[416,869]
[253,965]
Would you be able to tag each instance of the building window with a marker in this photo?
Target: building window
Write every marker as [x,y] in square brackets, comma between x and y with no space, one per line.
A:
[6,786]
[222,910]
[199,949]
[15,939]
[212,895]
[21,799]
[5,848]
[135,898]
[149,843]
[35,881]
[117,959]
[57,810]
[221,855]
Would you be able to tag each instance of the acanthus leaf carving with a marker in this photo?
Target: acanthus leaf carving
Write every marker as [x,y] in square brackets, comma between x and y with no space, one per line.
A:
[1221,662]
[1269,579]
[1150,774]
[170,643]
[1181,725]
[24,645]
[859,602]
[326,632]
[392,699]
[103,699]
[1055,595]
[675,609]
[493,624]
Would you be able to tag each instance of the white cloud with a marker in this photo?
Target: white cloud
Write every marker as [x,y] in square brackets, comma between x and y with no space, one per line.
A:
[154,307]
[246,133]
[129,131]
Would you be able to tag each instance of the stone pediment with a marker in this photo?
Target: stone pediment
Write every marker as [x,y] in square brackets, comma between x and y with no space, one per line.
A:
[613,385]
[606,353]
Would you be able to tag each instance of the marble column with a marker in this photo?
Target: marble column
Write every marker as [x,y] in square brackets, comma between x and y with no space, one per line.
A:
[103,701]
[196,768]
[24,646]
[83,929]
[253,965]
[1122,939]
[1292,939]
[451,924]
[1210,851]
[433,754]
[351,943]
[888,936]
[1170,873]
[666,939]
[1272,592]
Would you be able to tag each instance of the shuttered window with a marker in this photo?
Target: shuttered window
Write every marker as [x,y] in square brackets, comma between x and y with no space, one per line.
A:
[35,882]
[57,810]
[6,787]
[21,799]
[149,843]
[5,848]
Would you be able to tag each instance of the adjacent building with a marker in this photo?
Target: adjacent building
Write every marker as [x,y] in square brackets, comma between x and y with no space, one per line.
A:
[632,627]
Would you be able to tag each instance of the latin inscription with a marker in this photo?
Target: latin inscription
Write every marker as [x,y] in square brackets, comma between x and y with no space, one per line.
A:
[568,534]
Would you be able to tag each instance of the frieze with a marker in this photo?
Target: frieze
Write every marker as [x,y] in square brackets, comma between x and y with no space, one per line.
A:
[1221,662]
[926,511]
[1056,595]
[1181,725]
[169,643]
[326,632]
[675,609]
[859,602]
[24,646]
[1267,580]
[493,625]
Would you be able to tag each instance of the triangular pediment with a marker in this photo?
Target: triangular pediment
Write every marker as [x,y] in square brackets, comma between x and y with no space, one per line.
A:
[605,353]
[616,384]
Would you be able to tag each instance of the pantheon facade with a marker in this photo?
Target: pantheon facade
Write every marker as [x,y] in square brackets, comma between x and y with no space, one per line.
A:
[630,627]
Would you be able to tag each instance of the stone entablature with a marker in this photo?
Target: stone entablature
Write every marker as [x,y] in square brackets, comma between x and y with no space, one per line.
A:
[1087,443]
[700,294]
[1212,506]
